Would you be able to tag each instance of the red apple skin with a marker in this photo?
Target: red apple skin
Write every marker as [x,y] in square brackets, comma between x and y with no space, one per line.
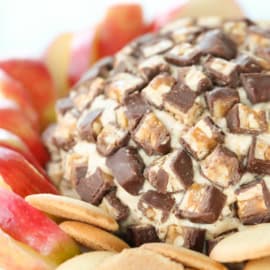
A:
[83,53]
[11,89]
[13,142]
[33,228]
[18,256]
[14,121]
[34,76]
[21,176]
[122,23]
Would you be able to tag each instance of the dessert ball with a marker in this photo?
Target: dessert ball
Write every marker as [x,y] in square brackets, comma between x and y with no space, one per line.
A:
[171,134]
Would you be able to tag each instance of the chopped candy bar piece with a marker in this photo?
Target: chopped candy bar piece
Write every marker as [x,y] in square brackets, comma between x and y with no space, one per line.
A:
[152,66]
[202,204]
[127,167]
[181,102]
[217,43]
[122,84]
[247,64]
[183,55]
[220,100]
[156,206]
[140,234]
[188,237]
[194,79]
[89,126]
[110,139]
[173,172]
[112,205]
[257,86]
[156,47]
[186,34]
[93,188]
[201,139]
[160,85]
[242,119]
[259,155]
[221,167]
[63,105]
[152,135]
[253,203]
[222,72]
[136,109]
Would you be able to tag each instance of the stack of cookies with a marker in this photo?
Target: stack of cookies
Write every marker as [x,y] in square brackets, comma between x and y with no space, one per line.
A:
[171,138]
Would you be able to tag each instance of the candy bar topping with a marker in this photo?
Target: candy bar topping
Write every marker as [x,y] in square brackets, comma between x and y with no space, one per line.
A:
[221,167]
[247,64]
[202,204]
[127,167]
[253,203]
[242,119]
[156,47]
[171,173]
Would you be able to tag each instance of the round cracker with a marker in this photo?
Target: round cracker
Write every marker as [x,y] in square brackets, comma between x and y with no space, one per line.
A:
[251,243]
[138,259]
[259,264]
[185,256]
[68,208]
[86,261]
[93,237]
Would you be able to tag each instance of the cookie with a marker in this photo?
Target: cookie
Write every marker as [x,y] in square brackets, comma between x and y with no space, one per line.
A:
[185,256]
[259,264]
[250,243]
[137,259]
[86,261]
[93,237]
[68,208]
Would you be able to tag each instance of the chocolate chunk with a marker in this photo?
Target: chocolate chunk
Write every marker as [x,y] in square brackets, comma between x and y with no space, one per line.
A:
[160,85]
[140,234]
[92,189]
[194,79]
[156,206]
[156,46]
[127,167]
[242,119]
[181,102]
[259,155]
[257,86]
[247,64]
[126,64]
[89,126]
[78,173]
[123,84]
[220,100]
[202,138]
[110,139]
[202,204]
[170,173]
[221,167]
[152,66]
[64,105]
[186,34]
[136,109]
[183,55]
[217,43]
[113,205]
[191,238]
[253,203]
[222,72]
[152,135]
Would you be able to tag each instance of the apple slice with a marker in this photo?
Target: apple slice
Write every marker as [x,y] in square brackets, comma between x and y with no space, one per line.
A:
[57,60]
[21,176]
[122,23]
[11,89]
[18,256]
[16,122]
[33,228]
[34,76]
[13,142]
[83,53]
